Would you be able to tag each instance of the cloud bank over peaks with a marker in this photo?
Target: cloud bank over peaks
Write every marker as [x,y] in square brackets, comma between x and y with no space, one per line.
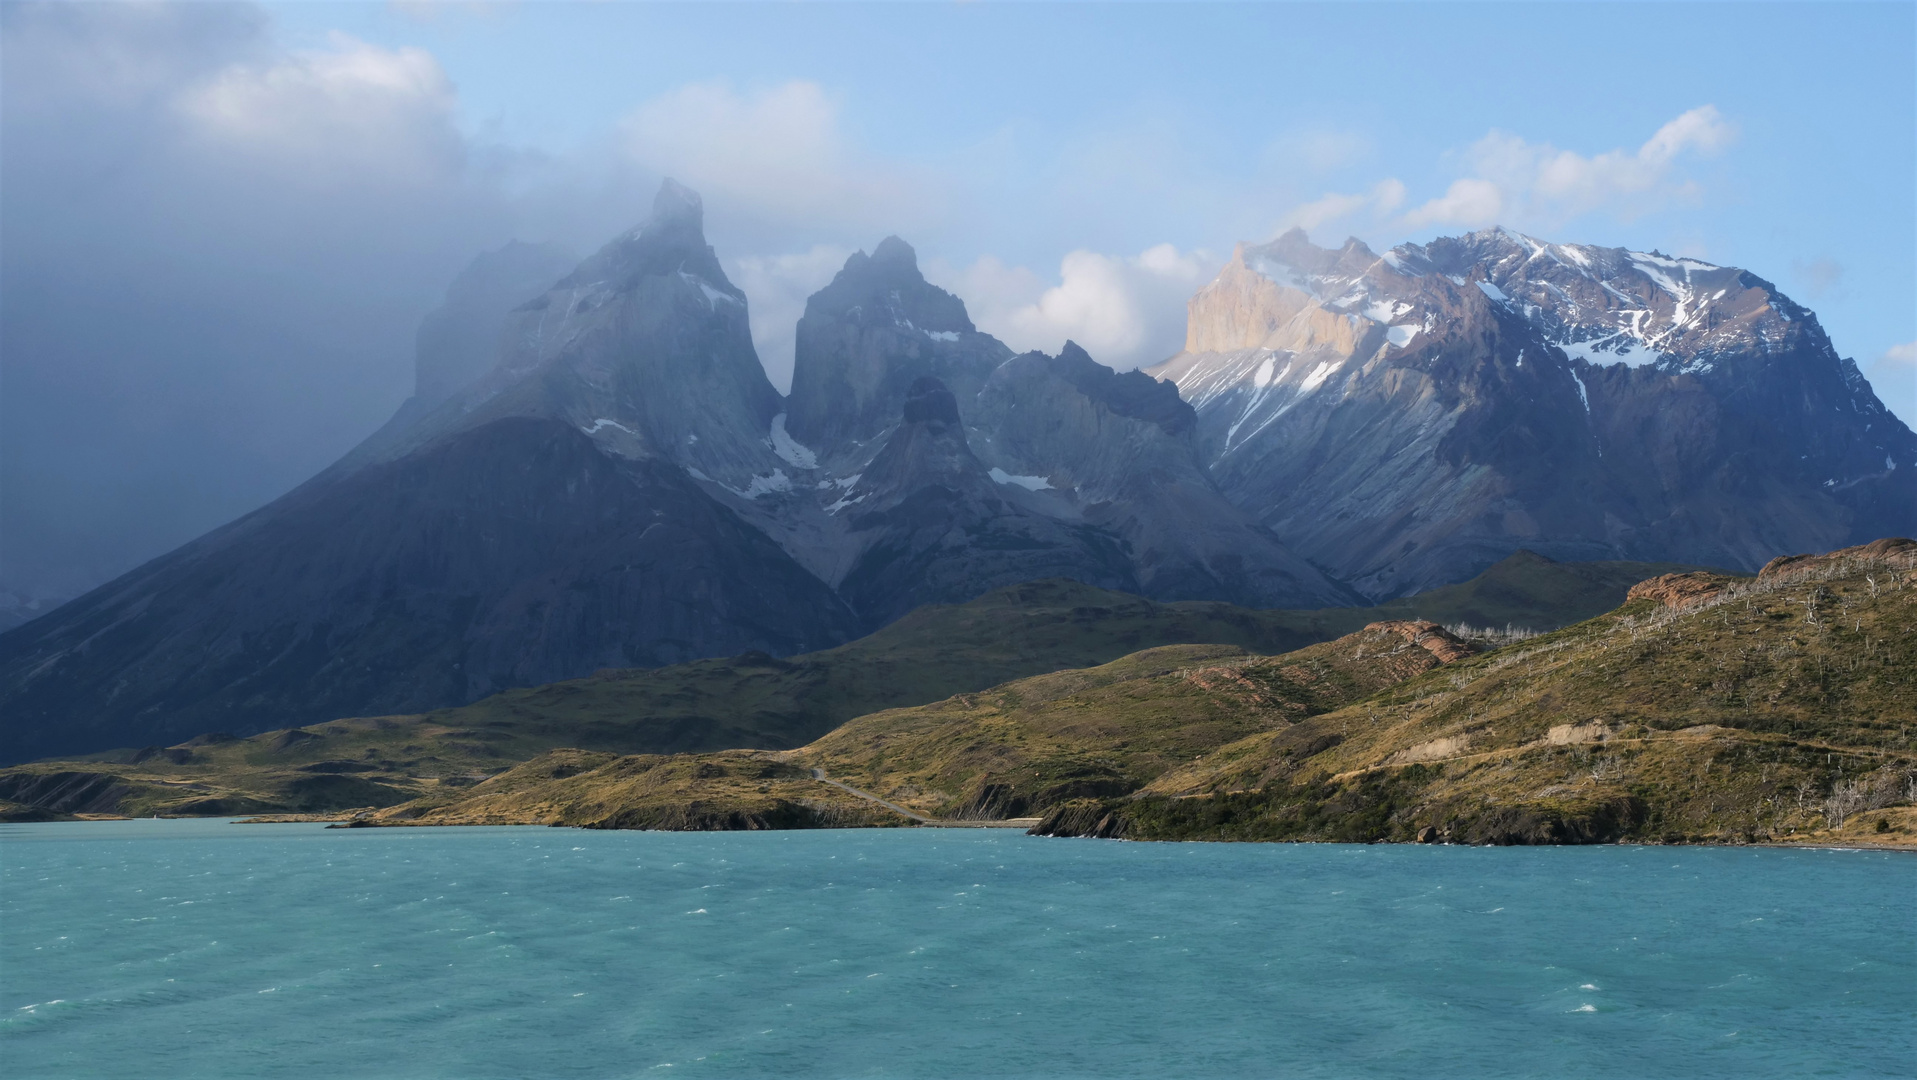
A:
[1128,311]
[1512,181]
[339,113]
[1516,180]
[778,157]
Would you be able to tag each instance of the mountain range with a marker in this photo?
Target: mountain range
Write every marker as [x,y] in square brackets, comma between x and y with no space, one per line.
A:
[595,471]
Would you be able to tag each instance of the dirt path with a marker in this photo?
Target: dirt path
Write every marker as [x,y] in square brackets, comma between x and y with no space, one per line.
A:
[940,823]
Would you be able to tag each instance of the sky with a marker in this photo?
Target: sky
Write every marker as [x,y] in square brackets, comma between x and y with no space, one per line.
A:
[221,224]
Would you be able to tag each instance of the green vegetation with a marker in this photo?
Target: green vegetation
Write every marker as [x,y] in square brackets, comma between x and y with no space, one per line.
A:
[756,701]
[1772,710]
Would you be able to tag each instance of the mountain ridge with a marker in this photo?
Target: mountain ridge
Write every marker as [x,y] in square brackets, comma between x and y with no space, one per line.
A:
[620,484]
[1400,417]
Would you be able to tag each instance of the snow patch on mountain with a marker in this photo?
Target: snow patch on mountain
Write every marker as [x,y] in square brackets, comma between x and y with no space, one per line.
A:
[1029,483]
[597,425]
[789,449]
[1318,376]
[713,296]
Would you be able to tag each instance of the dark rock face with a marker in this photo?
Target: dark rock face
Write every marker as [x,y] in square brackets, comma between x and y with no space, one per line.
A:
[1107,459]
[1116,451]
[459,341]
[1406,420]
[865,339]
[927,523]
[511,555]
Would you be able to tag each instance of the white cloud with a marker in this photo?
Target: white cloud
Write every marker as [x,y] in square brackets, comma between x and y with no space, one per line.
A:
[1466,202]
[1381,200]
[1903,356]
[776,288]
[1127,311]
[778,154]
[343,112]
[1516,182]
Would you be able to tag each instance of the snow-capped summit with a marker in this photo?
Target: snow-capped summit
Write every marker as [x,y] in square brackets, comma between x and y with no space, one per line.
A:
[1405,419]
[1615,306]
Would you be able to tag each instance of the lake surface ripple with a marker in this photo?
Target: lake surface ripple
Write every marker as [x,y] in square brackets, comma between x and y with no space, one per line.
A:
[209,950]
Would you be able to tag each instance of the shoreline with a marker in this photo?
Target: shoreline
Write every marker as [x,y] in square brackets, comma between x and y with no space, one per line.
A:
[345,821]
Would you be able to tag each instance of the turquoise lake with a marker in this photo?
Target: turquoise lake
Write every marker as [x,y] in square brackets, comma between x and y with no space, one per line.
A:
[208,950]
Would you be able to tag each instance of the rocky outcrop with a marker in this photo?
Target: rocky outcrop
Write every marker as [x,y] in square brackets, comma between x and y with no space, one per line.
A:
[1896,552]
[1107,458]
[1429,636]
[1095,818]
[1679,590]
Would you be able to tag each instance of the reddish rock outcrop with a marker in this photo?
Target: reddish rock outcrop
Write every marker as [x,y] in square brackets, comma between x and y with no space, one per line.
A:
[1429,636]
[1678,590]
[1892,549]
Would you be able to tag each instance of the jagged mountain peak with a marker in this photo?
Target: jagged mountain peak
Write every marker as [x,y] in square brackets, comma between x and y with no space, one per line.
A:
[671,241]
[644,347]
[893,251]
[886,288]
[1128,393]
[866,337]
[677,205]
[1618,306]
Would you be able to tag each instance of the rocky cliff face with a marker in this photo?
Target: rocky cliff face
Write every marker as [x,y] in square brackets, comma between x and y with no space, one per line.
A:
[1404,420]
[867,337]
[927,522]
[563,513]
[1117,451]
[1094,473]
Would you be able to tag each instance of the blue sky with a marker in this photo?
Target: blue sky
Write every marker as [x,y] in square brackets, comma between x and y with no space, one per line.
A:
[225,220]
[1021,133]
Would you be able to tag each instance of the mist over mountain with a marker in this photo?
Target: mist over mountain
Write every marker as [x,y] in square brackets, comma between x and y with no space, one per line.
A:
[544,521]
[596,472]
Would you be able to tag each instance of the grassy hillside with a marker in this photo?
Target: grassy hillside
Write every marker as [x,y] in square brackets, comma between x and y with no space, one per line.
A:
[1769,710]
[750,701]
[1009,751]
[1705,709]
